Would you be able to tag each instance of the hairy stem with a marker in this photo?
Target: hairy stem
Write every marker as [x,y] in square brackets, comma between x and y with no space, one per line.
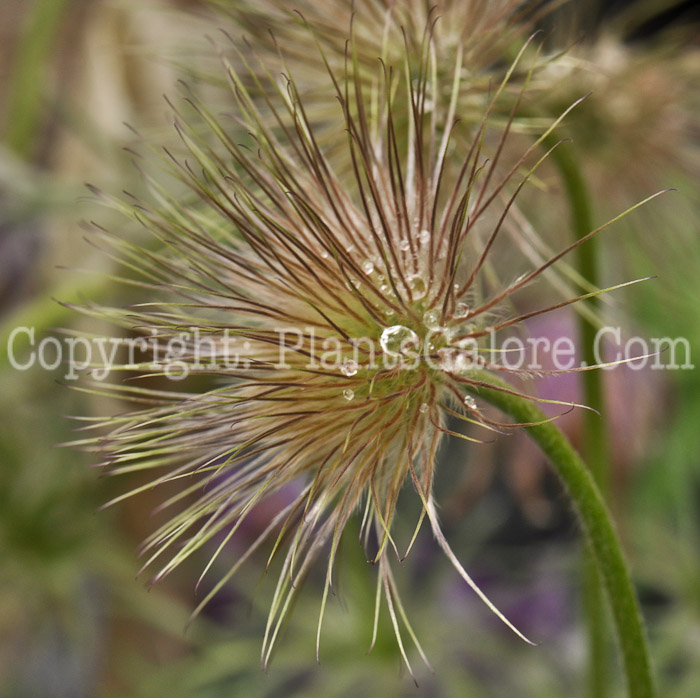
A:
[597,526]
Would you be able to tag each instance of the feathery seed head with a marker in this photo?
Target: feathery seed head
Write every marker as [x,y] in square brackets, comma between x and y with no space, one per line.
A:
[344,318]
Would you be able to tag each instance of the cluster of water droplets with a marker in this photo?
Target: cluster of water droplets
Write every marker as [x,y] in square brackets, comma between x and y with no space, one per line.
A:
[414,259]
[374,269]
[349,368]
[464,347]
[440,334]
[416,280]
[456,350]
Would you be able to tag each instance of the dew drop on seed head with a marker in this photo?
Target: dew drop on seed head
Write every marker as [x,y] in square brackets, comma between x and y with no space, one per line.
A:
[349,368]
[423,408]
[424,237]
[396,338]
[348,394]
[461,310]
[368,266]
[324,255]
[431,319]
[470,402]
[418,286]
[404,245]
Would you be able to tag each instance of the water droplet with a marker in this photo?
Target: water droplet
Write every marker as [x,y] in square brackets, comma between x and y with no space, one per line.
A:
[348,394]
[405,245]
[349,368]
[324,255]
[397,338]
[424,237]
[418,286]
[368,266]
[431,319]
[423,408]
[470,402]
[461,310]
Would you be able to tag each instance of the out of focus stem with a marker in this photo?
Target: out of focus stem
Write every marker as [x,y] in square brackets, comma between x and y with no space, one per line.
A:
[596,523]
[596,448]
[595,445]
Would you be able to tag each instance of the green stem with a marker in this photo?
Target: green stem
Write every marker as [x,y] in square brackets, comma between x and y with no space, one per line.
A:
[597,526]
[596,445]
[596,442]
[596,620]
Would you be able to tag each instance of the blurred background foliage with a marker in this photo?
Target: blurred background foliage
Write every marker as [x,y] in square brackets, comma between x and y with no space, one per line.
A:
[74,623]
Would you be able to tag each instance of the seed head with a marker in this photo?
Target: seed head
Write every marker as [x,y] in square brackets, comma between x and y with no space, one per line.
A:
[340,320]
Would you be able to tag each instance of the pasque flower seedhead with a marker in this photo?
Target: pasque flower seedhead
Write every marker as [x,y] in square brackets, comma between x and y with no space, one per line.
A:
[340,319]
